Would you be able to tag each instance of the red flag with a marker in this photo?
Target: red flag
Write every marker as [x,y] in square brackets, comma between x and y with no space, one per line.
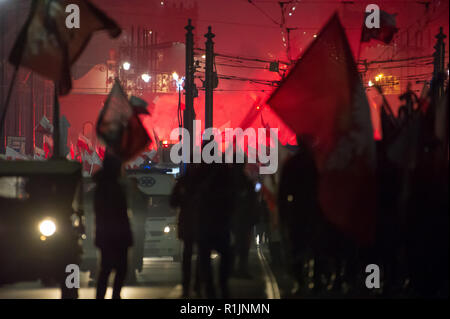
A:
[48,146]
[120,127]
[101,152]
[385,33]
[323,97]
[47,46]
[135,139]
[72,152]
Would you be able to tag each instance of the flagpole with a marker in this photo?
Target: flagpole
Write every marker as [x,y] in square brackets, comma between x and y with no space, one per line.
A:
[56,133]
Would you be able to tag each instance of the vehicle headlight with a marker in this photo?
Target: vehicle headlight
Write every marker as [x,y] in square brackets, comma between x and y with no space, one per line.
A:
[167,229]
[47,227]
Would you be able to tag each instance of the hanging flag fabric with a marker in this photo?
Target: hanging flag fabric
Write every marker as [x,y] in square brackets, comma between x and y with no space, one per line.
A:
[84,144]
[385,33]
[12,155]
[323,97]
[48,47]
[120,127]
[114,117]
[135,139]
[39,154]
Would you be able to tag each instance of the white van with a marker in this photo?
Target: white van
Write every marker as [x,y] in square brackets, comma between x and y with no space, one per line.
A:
[161,222]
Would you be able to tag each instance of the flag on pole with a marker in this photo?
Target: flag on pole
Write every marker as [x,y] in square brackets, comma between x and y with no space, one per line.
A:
[323,97]
[48,47]
[114,117]
[48,146]
[120,127]
[135,139]
[84,144]
[385,33]
[45,127]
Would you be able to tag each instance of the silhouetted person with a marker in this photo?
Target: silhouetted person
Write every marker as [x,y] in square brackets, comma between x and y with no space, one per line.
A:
[113,233]
[410,98]
[403,116]
[298,206]
[214,224]
[244,218]
[184,198]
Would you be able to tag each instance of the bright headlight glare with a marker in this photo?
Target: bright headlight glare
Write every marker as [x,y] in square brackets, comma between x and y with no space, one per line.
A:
[47,227]
[126,66]
[167,229]
[145,77]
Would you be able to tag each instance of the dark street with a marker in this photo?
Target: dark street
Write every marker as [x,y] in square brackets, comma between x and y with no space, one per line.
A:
[159,279]
[270,152]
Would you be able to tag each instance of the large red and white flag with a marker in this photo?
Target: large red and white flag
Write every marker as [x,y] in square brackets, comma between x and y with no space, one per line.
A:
[323,97]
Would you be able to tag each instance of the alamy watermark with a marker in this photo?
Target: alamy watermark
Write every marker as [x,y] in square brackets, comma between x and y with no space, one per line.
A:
[373,16]
[73,19]
[234,141]
[373,277]
[372,19]
[73,279]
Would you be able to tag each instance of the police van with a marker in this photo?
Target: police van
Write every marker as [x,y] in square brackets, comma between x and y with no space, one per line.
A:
[161,221]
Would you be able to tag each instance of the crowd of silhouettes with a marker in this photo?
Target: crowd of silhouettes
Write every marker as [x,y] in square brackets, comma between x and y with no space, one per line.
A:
[218,208]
